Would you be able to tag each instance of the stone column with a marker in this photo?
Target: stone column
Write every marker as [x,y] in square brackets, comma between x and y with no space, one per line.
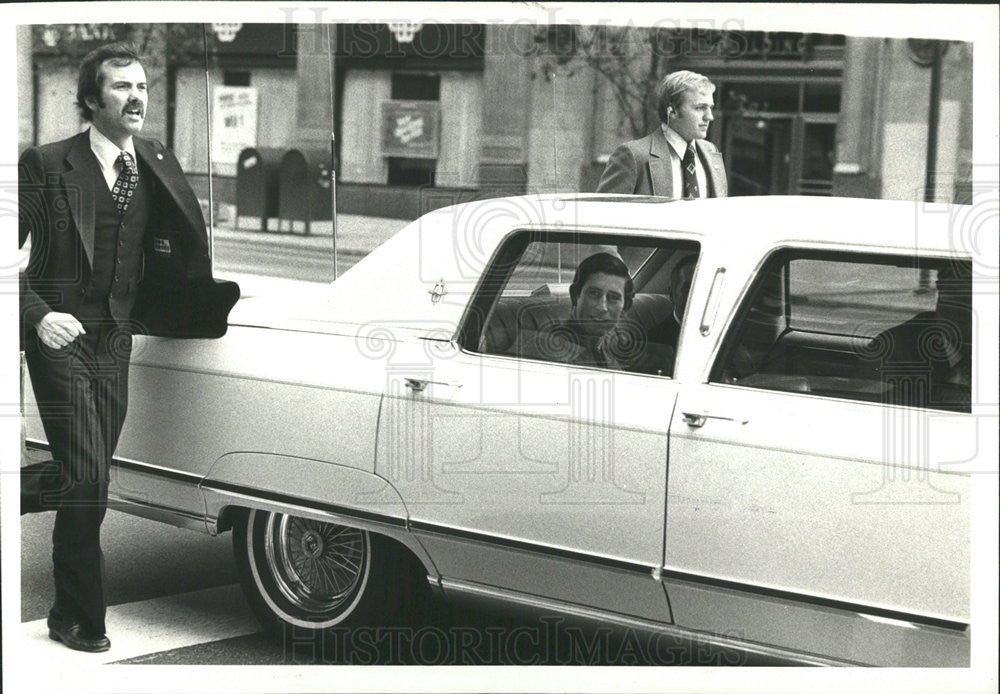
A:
[955,125]
[859,122]
[155,124]
[503,159]
[313,117]
[560,141]
[906,99]
[25,88]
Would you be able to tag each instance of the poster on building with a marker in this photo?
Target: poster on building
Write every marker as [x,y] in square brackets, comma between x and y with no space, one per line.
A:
[410,129]
[234,126]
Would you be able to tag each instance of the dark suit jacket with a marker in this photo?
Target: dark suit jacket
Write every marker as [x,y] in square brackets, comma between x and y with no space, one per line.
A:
[175,296]
[642,167]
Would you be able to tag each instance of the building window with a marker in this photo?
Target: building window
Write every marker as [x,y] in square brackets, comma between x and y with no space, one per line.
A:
[236,78]
[411,172]
[416,86]
[413,86]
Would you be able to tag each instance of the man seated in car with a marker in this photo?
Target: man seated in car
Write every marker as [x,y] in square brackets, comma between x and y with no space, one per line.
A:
[927,360]
[594,334]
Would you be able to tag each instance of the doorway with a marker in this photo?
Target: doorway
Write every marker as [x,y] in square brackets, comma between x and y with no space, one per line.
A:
[779,138]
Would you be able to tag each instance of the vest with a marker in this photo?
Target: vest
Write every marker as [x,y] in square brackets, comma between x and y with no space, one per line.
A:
[118,247]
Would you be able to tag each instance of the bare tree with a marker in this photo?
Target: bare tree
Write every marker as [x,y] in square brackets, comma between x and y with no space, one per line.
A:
[629,58]
[632,59]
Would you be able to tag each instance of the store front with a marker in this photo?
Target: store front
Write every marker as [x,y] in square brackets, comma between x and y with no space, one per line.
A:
[409,116]
[777,104]
[243,68]
[779,137]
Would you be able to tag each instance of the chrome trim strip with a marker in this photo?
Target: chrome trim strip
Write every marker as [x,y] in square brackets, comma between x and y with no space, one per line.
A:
[114,501]
[700,637]
[508,543]
[132,465]
[863,610]
[156,471]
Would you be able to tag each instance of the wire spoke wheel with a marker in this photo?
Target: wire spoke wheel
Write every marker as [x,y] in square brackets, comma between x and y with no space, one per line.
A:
[304,577]
[315,565]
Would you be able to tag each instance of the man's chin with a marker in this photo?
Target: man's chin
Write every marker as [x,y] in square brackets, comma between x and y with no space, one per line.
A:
[594,328]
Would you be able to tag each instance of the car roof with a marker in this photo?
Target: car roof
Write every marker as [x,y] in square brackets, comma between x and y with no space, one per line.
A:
[748,220]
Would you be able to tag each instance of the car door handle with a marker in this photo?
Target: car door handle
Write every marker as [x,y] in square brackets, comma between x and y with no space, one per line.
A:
[418,385]
[698,419]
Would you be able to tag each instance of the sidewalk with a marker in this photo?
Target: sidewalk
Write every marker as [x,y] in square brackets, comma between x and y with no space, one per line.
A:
[356,234]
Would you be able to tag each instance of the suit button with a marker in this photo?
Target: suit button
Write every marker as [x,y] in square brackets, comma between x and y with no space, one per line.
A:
[117,278]
[121,243]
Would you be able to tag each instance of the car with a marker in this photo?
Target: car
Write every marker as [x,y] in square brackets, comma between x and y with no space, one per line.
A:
[782,479]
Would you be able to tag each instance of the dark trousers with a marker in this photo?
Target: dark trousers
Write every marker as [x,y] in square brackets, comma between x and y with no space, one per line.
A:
[82,396]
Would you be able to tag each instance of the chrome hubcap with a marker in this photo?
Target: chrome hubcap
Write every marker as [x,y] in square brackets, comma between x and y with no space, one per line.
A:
[315,565]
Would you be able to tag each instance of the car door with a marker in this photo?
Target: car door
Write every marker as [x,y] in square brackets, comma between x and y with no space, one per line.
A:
[530,477]
[811,505]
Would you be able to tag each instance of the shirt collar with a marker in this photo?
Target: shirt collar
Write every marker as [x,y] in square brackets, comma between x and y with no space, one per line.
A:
[107,151]
[677,143]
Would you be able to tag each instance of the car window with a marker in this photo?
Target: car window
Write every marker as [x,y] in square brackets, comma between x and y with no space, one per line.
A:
[547,267]
[891,330]
[533,310]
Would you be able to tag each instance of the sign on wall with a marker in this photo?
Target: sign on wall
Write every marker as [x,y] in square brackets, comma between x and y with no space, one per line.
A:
[234,126]
[411,129]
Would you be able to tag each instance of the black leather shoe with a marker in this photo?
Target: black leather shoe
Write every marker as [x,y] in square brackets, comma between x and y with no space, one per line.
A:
[75,636]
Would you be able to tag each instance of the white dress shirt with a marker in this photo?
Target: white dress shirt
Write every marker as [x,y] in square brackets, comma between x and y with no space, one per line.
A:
[107,153]
[677,149]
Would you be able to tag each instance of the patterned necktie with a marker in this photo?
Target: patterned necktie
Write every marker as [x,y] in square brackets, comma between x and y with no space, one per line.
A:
[126,182]
[688,173]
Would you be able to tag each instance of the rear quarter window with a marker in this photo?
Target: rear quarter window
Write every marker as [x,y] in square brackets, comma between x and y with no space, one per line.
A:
[894,330]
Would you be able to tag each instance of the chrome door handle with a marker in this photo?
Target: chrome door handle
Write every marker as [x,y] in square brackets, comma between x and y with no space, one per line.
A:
[418,385]
[698,419]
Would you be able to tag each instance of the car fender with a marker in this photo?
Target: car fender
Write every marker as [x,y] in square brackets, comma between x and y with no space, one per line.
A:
[306,488]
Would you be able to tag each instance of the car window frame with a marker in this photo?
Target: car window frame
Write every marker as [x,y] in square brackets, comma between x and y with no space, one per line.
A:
[728,342]
[507,257]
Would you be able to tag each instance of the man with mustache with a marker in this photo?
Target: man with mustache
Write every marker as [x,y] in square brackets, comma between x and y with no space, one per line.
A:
[118,245]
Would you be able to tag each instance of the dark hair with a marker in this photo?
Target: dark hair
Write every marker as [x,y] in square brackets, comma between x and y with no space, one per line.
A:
[670,92]
[609,265]
[91,77]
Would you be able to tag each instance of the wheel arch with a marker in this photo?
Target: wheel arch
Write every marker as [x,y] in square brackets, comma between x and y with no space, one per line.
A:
[242,481]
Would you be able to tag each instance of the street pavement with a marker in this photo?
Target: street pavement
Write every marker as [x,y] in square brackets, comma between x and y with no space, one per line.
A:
[174,599]
[356,234]
[297,256]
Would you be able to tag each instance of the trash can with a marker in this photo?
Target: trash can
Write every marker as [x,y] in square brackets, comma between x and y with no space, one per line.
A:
[304,191]
[257,188]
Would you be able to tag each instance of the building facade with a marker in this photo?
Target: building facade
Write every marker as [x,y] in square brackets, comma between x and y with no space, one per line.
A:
[424,116]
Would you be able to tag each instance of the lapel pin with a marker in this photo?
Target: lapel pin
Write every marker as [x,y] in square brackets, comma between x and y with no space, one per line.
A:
[159,155]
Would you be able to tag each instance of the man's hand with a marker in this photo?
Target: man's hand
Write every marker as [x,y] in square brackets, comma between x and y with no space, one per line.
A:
[57,330]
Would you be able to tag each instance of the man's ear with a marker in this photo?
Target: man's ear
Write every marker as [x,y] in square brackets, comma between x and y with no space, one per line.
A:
[92,103]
